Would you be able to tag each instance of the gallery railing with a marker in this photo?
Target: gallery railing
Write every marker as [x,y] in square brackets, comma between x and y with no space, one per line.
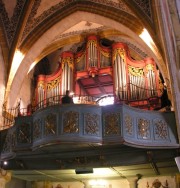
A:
[138,99]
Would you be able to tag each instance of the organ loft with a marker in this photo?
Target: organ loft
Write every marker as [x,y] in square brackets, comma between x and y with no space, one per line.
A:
[100,72]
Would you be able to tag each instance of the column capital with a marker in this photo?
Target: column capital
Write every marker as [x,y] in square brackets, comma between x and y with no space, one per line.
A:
[4,177]
[132,181]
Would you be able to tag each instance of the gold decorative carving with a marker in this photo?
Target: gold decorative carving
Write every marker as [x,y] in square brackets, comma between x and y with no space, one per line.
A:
[94,42]
[143,128]
[112,124]
[37,129]
[71,122]
[41,84]
[128,125]
[78,59]
[106,54]
[161,129]
[135,71]
[150,67]
[92,124]
[24,134]
[52,84]
[50,124]
[69,61]
[119,51]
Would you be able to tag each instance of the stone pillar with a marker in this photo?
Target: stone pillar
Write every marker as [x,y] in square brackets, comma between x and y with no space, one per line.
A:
[177,160]
[178,180]
[132,182]
[4,178]
[47,184]
[44,184]
[86,185]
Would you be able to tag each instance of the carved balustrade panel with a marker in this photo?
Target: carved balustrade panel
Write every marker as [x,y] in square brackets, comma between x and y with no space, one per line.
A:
[71,122]
[92,123]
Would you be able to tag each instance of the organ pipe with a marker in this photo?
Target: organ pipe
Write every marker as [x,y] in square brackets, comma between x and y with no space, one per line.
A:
[67,72]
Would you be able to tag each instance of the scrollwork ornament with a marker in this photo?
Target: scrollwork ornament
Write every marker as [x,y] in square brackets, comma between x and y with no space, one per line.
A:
[54,83]
[143,128]
[24,133]
[50,124]
[71,122]
[136,71]
[128,125]
[92,124]
[112,124]
[161,129]
[119,51]
[37,129]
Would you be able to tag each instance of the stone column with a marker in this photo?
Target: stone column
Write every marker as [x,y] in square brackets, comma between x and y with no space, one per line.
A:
[4,178]
[132,182]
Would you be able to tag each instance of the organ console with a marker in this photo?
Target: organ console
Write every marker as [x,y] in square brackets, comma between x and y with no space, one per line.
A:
[98,71]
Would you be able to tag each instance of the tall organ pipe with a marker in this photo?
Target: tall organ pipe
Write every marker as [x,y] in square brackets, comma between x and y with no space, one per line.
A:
[67,72]
[119,70]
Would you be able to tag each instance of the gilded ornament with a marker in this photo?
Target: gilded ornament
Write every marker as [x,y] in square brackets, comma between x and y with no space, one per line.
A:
[128,125]
[71,122]
[135,71]
[78,59]
[53,84]
[69,61]
[161,129]
[143,128]
[150,67]
[92,124]
[94,42]
[50,124]
[37,129]
[24,133]
[120,52]
[106,54]
[112,124]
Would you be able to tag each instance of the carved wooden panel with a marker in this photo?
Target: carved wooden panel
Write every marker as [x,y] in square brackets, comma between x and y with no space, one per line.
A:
[111,124]
[50,125]
[160,130]
[37,129]
[143,128]
[71,122]
[128,125]
[92,123]
[24,133]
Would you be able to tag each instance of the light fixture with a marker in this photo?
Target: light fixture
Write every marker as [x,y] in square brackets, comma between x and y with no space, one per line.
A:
[5,163]
[84,171]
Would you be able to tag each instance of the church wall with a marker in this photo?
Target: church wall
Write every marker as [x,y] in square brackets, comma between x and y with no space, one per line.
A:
[16,183]
[166,181]
[133,182]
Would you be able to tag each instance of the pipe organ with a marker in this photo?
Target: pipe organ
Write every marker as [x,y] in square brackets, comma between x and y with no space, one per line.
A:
[90,71]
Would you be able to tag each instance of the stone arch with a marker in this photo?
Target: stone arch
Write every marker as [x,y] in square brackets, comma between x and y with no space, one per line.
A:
[46,40]
[2,83]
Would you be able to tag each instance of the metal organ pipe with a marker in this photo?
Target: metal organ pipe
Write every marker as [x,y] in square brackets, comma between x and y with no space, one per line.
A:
[116,77]
[67,71]
[120,76]
[119,68]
